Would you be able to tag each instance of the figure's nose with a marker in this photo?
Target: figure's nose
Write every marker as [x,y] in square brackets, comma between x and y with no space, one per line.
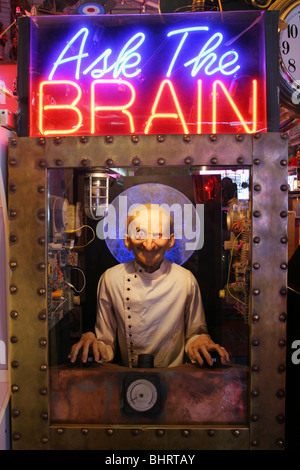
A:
[148,243]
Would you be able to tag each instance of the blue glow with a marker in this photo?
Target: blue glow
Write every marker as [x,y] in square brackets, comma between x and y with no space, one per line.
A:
[78,57]
[129,59]
[154,193]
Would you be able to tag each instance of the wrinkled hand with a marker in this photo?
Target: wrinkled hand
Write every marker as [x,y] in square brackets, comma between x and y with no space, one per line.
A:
[86,341]
[203,344]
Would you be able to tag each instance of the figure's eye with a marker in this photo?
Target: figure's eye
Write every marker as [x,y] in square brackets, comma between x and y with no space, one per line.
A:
[157,235]
[140,234]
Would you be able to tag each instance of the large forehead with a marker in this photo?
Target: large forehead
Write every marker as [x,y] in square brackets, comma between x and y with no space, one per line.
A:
[149,214]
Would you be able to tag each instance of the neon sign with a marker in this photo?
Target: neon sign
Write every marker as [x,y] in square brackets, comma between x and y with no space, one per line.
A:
[194,76]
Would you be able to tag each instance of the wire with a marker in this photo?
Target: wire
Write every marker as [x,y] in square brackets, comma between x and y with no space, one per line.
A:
[229,268]
[79,228]
[84,281]
[294,290]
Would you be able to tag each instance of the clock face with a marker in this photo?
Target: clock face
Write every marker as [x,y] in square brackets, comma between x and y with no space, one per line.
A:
[290,42]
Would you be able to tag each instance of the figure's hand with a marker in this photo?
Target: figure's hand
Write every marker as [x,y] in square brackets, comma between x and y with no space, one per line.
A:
[203,344]
[86,341]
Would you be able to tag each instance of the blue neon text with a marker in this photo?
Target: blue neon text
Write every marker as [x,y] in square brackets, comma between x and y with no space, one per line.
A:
[128,63]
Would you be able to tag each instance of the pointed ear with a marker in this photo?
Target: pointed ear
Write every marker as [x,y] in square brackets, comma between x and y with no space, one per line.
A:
[127,243]
[171,242]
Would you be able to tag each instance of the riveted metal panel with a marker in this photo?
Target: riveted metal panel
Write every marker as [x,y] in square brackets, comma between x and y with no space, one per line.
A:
[29,159]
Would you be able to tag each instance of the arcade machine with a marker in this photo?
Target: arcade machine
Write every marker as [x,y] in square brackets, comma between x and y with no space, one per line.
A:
[173,109]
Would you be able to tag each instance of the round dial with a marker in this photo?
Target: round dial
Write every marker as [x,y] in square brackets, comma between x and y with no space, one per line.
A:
[141,395]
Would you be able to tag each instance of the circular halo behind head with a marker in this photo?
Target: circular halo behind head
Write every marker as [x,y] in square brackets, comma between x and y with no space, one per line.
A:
[183,212]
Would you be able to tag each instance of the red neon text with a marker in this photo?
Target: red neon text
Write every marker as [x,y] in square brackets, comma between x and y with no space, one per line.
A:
[67,115]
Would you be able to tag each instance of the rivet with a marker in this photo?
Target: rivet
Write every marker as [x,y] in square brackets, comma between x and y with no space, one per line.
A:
[14,314]
[43,391]
[41,141]
[84,431]
[284,136]
[135,432]
[13,142]
[280,393]
[44,415]
[14,339]
[13,289]
[284,187]
[135,139]
[256,291]
[254,393]
[41,214]
[43,367]
[57,140]
[12,162]
[83,139]
[284,240]
[280,418]
[14,364]
[283,291]
[236,433]
[254,418]
[239,138]
[213,138]
[12,187]
[257,187]
[12,213]
[283,162]
[110,432]
[13,264]
[16,436]
[60,430]
[41,189]
[256,266]
[15,413]
[42,163]
[255,368]
[14,388]
[41,291]
[186,432]
[44,439]
[283,266]
[240,160]
[109,162]
[256,240]
[282,317]
[279,442]
[186,138]
[281,368]
[256,214]
[210,432]
[84,162]
[214,160]
[255,342]
[109,139]
[188,160]
[42,342]
[161,161]
[42,266]
[255,317]
[135,161]
[41,241]
[42,315]
[13,238]
[160,432]
[254,443]
[281,343]
[257,135]
[256,161]
[283,214]
[58,162]
[160,138]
